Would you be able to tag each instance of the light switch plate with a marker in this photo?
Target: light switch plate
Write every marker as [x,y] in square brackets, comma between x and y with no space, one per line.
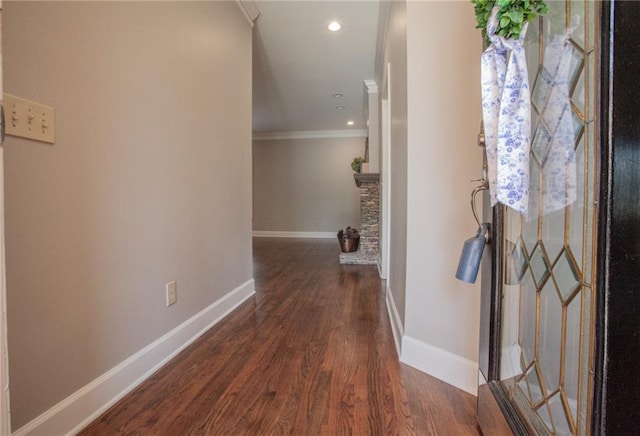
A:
[172,292]
[28,119]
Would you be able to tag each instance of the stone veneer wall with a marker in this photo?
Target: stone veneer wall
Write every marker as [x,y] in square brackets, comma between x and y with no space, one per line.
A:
[367,253]
[369,218]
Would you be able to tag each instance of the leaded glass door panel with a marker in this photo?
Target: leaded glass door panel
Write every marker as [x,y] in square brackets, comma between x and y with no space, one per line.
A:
[544,286]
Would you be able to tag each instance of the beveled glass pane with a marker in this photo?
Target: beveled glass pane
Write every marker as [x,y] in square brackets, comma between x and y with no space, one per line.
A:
[516,262]
[589,214]
[576,210]
[527,328]
[559,417]
[530,226]
[585,351]
[550,331]
[539,265]
[532,385]
[553,233]
[555,20]
[577,96]
[532,48]
[572,352]
[576,62]
[534,117]
[545,416]
[589,21]
[540,90]
[523,386]
[578,125]
[540,143]
[566,275]
[576,13]
[589,87]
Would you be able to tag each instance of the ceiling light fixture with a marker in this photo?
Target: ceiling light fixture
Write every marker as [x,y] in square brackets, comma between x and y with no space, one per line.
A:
[349,123]
[336,95]
[340,108]
[334,26]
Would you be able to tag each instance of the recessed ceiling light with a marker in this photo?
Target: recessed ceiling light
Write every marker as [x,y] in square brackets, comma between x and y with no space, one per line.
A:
[334,26]
[336,95]
[340,108]
[349,123]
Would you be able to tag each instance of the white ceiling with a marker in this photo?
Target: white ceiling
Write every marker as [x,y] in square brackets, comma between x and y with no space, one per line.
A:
[298,64]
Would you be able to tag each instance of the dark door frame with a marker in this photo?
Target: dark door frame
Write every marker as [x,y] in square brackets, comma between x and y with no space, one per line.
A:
[617,349]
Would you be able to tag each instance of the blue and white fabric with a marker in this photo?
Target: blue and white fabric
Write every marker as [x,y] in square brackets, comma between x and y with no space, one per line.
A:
[506,106]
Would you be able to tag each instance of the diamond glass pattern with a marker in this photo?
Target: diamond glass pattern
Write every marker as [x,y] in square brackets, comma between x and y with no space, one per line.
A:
[552,248]
[566,274]
[540,144]
[539,265]
[540,90]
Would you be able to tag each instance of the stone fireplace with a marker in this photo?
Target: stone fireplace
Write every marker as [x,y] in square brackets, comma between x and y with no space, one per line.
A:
[367,253]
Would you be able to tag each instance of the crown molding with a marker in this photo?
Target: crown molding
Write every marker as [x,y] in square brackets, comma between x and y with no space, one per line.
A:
[310,134]
[249,10]
[372,86]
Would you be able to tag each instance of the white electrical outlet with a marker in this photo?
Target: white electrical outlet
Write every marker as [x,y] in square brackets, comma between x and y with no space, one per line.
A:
[172,293]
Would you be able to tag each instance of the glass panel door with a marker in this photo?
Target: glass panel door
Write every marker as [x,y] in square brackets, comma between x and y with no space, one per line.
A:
[547,281]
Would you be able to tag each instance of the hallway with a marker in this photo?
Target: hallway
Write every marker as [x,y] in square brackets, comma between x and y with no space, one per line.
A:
[312,353]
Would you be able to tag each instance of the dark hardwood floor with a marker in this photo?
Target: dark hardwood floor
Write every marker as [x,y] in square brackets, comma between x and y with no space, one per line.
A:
[311,354]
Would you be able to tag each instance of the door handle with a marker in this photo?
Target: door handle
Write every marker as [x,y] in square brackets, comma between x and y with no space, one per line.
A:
[481,187]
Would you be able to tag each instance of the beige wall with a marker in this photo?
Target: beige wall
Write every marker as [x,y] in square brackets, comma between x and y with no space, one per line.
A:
[395,54]
[435,114]
[149,181]
[305,185]
[444,119]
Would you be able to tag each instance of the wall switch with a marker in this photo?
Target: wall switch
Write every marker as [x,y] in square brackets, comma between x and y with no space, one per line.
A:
[172,293]
[28,119]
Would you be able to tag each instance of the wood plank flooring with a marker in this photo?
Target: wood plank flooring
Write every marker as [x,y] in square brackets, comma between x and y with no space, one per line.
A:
[311,354]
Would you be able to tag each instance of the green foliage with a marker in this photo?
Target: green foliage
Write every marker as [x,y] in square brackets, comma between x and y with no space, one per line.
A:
[512,16]
[355,164]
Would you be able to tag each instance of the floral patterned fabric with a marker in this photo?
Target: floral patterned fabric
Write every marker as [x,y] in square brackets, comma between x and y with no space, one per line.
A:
[506,107]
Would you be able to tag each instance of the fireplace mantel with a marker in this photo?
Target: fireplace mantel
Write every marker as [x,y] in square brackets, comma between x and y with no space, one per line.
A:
[366,177]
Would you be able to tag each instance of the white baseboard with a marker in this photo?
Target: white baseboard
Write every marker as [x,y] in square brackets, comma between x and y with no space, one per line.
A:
[310,134]
[395,321]
[441,364]
[278,234]
[82,407]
